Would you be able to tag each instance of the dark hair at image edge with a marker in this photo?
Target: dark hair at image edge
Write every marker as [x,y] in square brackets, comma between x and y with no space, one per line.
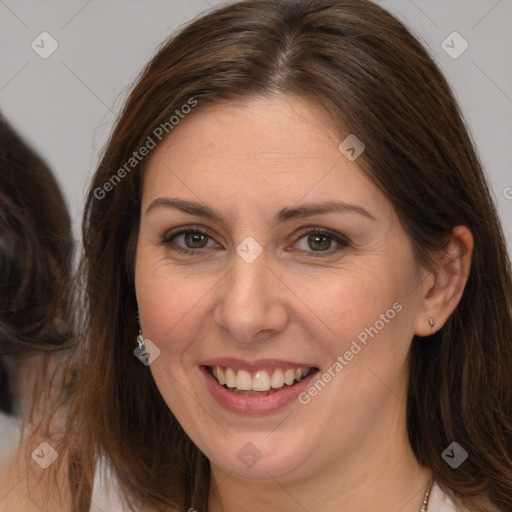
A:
[36,250]
[375,79]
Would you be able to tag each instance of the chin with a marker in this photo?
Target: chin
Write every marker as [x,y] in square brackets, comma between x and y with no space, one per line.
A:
[260,456]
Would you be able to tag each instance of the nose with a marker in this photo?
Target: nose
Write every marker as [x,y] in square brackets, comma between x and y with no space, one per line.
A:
[250,302]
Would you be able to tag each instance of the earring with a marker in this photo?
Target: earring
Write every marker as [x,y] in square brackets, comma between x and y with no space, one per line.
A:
[432,323]
[140,338]
[141,352]
[140,341]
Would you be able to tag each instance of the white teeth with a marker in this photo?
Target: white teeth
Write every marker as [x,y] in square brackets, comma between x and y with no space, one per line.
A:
[220,375]
[243,380]
[289,377]
[277,378]
[230,378]
[261,380]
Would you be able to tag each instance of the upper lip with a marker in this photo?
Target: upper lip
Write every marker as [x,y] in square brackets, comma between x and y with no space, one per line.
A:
[252,366]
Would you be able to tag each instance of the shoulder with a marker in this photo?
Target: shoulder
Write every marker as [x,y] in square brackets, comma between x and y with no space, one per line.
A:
[28,486]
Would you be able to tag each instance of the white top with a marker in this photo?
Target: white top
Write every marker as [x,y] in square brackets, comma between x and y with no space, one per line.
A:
[439,501]
[9,436]
[105,498]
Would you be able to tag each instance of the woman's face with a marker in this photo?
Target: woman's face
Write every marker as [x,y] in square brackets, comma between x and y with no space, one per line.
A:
[232,279]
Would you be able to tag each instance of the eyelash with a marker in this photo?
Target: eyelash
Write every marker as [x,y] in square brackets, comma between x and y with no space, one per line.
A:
[343,243]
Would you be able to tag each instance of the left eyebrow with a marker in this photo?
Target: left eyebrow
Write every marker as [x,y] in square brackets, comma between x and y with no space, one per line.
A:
[284,215]
[311,209]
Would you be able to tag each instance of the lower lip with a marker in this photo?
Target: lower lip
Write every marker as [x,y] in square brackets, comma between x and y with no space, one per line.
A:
[255,404]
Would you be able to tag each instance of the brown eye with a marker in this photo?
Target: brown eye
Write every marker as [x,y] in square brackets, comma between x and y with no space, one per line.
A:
[187,240]
[195,240]
[319,242]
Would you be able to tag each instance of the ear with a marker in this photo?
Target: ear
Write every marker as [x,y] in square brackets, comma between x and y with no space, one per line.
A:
[451,275]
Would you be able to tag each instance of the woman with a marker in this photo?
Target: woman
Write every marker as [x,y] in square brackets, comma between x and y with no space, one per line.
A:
[36,249]
[291,230]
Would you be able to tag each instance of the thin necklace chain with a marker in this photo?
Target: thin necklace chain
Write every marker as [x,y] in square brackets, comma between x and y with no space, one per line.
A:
[424,507]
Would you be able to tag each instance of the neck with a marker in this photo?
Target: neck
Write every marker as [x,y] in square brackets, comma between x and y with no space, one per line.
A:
[383,475]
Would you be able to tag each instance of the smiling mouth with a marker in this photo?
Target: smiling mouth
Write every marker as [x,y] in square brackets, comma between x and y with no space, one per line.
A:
[258,383]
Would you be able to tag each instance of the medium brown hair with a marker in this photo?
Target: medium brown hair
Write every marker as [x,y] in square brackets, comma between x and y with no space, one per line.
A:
[368,70]
[36,248]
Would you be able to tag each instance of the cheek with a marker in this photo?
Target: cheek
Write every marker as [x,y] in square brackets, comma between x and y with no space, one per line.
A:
[346,305]
[170,301]
[368,319]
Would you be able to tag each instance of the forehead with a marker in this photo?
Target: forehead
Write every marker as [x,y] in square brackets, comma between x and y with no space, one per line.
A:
[256,126]
[259,150]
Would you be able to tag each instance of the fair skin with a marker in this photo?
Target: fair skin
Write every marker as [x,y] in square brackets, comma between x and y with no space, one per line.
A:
[246,161]
[24,485]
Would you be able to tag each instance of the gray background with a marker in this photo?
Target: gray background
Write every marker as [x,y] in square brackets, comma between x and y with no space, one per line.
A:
[65,105]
